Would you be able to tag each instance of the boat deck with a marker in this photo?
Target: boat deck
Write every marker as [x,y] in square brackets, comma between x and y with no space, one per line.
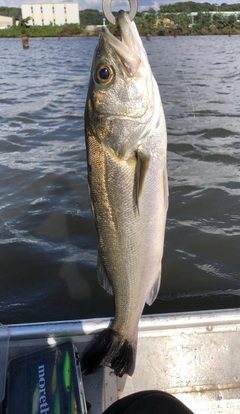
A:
[194,356]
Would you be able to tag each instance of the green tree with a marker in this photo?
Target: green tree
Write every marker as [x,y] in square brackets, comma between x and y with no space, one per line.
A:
[146,22]
[182,20]
[24,22]
[11,12]
[43,31]
[232,20]
[150,17]
[203,19]
[220,20]
[90,17]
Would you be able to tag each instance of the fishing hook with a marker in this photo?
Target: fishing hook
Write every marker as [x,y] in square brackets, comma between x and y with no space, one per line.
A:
[108,13]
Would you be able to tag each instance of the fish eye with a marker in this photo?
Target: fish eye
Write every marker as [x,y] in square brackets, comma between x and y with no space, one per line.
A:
[104,74]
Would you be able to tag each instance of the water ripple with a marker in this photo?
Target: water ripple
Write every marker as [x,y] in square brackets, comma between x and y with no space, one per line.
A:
[48,240]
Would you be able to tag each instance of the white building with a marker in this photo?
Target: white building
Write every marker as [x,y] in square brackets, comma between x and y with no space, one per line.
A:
[42,14]
[5,22]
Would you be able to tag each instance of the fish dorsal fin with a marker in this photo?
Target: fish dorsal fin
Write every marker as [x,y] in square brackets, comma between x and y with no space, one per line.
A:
[102,277]
[142,164]
[154,291]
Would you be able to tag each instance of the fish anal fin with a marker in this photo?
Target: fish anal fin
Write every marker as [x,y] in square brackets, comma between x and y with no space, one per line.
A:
[102,277]
[142,164]
[154,291]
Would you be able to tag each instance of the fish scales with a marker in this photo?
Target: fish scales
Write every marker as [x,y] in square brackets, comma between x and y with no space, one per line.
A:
[126,153]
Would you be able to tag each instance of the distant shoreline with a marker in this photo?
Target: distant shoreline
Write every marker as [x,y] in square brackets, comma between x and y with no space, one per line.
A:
[228,33]
[73,30]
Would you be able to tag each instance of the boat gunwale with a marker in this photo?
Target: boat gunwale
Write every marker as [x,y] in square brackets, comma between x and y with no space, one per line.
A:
[155,322]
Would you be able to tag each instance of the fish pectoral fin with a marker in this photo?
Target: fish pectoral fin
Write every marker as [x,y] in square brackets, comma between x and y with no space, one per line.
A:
[154,291]
[142,164]
[102,277]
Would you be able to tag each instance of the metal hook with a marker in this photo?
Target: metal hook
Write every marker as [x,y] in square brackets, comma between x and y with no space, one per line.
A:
[108,13]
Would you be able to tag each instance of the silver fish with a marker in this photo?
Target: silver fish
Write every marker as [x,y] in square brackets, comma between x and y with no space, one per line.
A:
[126,151]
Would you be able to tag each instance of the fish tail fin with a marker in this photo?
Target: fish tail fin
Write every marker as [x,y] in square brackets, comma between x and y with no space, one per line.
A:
[113,350]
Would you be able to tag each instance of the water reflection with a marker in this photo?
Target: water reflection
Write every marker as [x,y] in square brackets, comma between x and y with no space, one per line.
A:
[48,244]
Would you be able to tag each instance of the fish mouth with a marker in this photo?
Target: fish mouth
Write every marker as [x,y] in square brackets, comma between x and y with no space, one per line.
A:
[124,24]
[128,47]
